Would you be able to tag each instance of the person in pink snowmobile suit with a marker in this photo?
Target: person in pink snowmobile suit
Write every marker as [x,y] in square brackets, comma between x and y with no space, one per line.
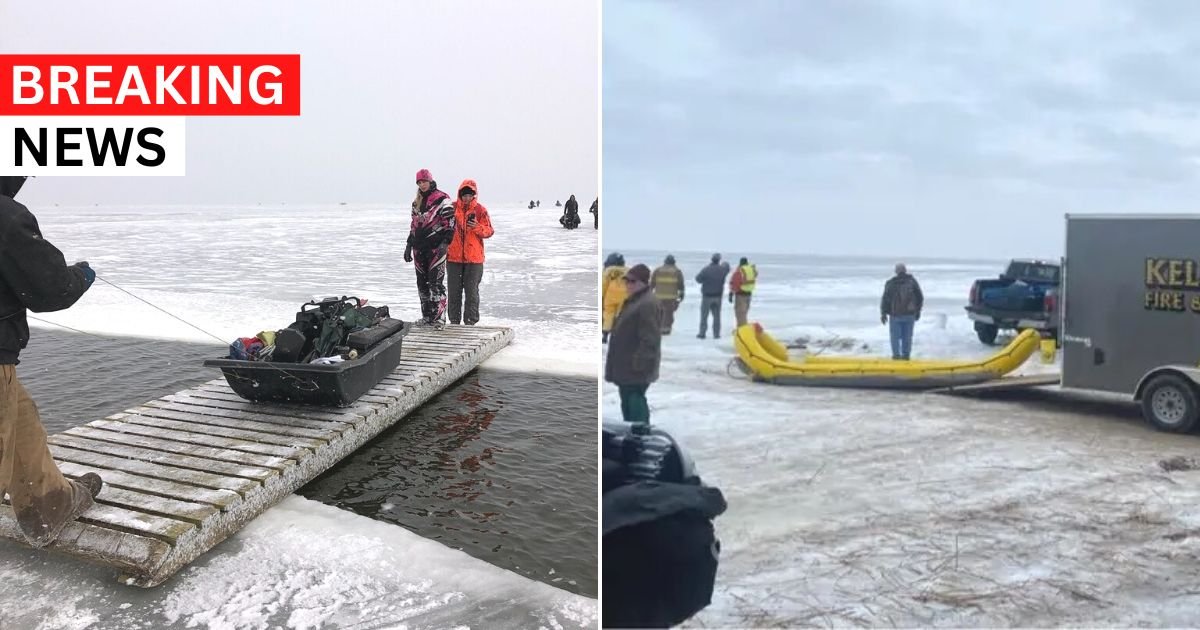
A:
[429,236]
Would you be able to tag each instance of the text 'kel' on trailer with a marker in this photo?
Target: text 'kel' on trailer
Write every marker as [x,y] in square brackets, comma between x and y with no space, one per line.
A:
[1131,312]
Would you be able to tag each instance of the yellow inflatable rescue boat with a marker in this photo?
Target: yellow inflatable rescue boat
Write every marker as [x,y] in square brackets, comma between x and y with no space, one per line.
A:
[766,360]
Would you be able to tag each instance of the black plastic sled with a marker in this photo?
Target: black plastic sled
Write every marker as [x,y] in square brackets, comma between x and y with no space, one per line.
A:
[337,385]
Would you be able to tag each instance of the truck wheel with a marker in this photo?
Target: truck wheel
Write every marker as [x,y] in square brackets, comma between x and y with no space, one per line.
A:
[1170,403]
[987,333]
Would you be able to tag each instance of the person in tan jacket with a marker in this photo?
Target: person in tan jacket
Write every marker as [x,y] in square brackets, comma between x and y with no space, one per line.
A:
[635,347]
[667,282]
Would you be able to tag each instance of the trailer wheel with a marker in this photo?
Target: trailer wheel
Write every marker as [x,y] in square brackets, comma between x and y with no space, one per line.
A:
[1169,402]
[987,333]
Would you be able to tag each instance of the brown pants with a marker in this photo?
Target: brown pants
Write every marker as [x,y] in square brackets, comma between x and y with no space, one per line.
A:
[41,496]
[666,310]
[741,306]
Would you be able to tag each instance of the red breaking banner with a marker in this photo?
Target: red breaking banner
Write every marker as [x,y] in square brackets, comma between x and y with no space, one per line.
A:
[149,85]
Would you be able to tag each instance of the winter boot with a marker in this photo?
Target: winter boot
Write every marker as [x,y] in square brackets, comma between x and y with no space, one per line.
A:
[39,533]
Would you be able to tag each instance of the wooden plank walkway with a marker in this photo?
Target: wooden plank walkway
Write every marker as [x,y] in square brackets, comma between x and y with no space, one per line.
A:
[1006,383]
[185,471]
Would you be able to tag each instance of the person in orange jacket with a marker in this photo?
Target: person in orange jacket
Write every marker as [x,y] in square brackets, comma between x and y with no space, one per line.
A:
[465,258]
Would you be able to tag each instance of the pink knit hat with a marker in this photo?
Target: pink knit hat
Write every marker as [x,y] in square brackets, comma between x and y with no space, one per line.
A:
[424,174]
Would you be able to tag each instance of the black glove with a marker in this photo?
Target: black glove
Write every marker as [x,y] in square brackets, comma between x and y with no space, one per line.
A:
[88,273]
[731,297]
[408,253]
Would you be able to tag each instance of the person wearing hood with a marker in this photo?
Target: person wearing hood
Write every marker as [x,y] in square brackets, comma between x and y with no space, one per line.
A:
[429,236]
[465,257]
[612,291]
[595,210]
[667,282]
[636,347]
[34,276]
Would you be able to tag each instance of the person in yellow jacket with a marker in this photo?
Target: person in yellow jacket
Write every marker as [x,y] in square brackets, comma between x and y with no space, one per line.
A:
[667,282]
[612,290]
[741,286]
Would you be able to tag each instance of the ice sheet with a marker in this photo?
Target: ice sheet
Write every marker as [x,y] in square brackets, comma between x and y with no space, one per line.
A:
[233,271]
[860,508]
[301,564]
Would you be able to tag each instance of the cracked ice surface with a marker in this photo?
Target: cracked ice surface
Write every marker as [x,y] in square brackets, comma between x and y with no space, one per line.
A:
[233,271]
[302,564]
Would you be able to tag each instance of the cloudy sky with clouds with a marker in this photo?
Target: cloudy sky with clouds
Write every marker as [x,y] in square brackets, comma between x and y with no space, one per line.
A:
[897,127]
[506,93]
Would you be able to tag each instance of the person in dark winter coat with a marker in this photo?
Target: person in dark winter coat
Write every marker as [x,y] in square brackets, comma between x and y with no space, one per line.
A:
[429,236]
[595,210]
[34,276]
[635,346]
[712,286]
[570,217]
[901,308]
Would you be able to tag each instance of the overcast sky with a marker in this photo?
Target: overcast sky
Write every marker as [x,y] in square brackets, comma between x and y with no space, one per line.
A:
[506,93]
[905,127]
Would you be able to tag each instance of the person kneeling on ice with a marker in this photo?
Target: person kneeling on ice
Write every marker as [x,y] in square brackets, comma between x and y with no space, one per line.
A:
[465,268]
[35,277]
[635,347]
[901,308]
[429,236]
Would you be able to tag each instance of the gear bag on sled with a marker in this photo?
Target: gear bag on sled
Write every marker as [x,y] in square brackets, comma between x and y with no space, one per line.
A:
[335,351]
[660,548]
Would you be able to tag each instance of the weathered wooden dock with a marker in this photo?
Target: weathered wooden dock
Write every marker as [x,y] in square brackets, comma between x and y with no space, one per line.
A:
[185,471]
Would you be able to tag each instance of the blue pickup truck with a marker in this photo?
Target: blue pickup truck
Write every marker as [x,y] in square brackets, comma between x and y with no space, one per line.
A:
[1024,296]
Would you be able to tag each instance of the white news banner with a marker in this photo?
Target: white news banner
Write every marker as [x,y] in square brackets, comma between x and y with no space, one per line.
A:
[100,146]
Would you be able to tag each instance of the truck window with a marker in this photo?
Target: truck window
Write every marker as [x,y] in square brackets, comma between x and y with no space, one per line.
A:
[1033,272]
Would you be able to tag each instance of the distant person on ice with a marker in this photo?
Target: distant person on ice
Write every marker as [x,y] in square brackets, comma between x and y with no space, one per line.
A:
[595,210]
[712,284]
[741,286]
[667,282]
[635,348]
[429,236]
[34,276]
[570,217]
[465,267]
[612,292]
[901,308]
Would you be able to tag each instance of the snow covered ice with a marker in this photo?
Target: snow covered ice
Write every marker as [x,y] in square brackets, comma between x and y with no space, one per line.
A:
[233,271]
[861,508]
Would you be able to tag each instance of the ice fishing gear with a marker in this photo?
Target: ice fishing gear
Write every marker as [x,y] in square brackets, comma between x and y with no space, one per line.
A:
[341,345]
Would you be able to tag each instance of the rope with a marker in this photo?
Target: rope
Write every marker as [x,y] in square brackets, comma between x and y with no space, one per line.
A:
[161,309]
[300,383]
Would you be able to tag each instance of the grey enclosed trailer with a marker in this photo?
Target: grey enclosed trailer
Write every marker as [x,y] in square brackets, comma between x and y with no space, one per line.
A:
[1131,312]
